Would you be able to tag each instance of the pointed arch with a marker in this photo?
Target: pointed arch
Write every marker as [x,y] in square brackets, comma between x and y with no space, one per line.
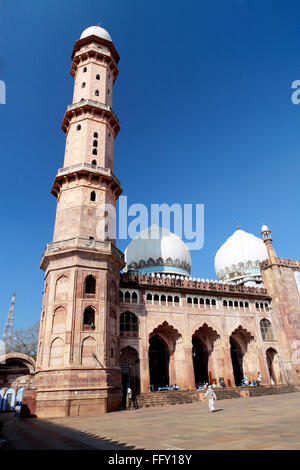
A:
[89,352]
[56,358]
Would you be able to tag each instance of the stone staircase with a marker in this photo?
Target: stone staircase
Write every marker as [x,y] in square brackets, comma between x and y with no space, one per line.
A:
[177,397]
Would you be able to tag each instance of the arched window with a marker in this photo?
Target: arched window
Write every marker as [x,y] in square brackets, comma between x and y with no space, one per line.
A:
[176,299]
[256,305]
[156,298]
[241,304]
[202,302]
[127,296]
[189,300]
[94,162]
[163,299]
[90,285]
[213,302]
[78,127]
[128,322]
[96,92]
[230,303]
[96,135]
[236,303]
[95,152]
[121,296]
[95,143]
[93,196]
[266,330]
[134,298]
[83,85]
[89,318]
[149,298]
[246,305]
[224,303]
[207,302]
[170,299]
[97,77]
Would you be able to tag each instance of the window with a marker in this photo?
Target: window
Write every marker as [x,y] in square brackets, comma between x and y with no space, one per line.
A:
[128,322]
[78,127]
[134,298]
[96,135]
[176,299]
[93,196]
[97,92]
[149,298]
[83,85]
[108,91]
[84,69]
[89,318]
[224,303]
[127,296]
[95,143]
[97,77]
[95,152]
[94,162]
[90,285]
[266,330]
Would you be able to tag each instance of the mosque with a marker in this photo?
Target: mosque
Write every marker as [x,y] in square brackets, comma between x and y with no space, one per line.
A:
[111,319]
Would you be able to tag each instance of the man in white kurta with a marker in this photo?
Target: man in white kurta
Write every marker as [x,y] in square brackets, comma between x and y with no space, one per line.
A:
[210,394]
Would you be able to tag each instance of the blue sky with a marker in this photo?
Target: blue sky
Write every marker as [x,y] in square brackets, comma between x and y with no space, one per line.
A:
[204,101]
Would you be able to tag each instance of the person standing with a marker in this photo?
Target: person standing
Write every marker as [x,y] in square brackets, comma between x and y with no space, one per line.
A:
[259,378]
[210,394]
[128,398]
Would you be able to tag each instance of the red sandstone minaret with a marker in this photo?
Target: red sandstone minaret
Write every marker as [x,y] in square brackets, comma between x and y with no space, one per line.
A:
[78,357]
[266,234]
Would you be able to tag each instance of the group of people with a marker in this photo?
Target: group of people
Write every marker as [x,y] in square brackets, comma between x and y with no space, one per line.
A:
[167,387]
[251,383]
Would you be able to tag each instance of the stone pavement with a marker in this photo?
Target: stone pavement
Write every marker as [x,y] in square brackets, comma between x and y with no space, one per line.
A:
[268,422]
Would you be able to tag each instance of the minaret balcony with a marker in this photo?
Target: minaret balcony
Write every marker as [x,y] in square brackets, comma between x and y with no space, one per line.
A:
[85,168]
[103,110]
[83,244]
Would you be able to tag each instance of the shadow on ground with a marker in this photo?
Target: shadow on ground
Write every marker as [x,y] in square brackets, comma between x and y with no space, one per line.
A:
[39,434]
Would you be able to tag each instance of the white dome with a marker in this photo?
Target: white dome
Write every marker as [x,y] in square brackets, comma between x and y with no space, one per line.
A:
[96,31]
[242,253]
[156,249]
[265,228]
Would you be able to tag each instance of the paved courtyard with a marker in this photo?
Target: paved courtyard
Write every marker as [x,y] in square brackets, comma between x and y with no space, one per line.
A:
[268,422]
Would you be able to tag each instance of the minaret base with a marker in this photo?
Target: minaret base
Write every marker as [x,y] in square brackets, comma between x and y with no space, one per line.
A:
[77,392]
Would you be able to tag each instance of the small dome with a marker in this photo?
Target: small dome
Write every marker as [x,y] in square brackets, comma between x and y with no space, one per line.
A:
[265,228]
[96,31]
[157,250]
[241,253]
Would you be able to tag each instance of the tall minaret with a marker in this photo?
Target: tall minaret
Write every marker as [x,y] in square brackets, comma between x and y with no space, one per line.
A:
[78,356]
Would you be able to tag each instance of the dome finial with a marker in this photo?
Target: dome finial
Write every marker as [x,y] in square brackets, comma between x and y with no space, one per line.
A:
[237,226]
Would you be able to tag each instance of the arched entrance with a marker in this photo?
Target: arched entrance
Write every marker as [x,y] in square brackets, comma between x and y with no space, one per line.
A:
[159,358]
[200,361]
[237,361]
[203,342]
[130,371]
[240,340]
[273,365]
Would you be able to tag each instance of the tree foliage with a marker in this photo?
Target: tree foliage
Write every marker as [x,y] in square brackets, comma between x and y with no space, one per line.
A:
[25,340]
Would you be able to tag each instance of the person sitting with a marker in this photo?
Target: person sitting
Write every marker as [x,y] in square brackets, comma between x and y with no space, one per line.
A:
[254,383]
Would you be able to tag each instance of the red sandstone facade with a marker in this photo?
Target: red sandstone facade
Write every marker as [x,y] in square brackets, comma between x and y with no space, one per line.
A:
[100,333]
